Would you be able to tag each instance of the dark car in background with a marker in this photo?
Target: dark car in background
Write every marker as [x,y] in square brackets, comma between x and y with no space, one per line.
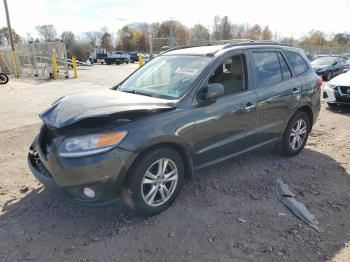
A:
[348,62]
[346,56]
[133,57]
[182,111]
[329,66]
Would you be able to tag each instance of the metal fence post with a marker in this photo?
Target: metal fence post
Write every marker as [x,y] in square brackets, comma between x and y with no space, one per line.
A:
[74,63]
[54,67]
[140,60]
[15,64]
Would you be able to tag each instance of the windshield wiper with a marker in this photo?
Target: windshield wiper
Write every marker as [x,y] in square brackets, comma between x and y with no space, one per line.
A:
[136,92]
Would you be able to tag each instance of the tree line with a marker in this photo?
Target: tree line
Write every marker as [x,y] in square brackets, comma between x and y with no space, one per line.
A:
[136,36]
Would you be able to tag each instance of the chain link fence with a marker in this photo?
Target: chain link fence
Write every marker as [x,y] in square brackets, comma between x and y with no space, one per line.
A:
[159,43]
[35,59]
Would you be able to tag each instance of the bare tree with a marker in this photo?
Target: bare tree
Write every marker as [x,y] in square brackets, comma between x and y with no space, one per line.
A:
[93,37]
[199,33]
[142,43]
[217,32]
[106,41]
[48,32]
[226,28]
[5,36]
[254,32]
[68,37]
[266,33]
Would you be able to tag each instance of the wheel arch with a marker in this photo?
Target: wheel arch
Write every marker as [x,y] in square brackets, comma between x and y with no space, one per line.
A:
[308,111]
[181,150]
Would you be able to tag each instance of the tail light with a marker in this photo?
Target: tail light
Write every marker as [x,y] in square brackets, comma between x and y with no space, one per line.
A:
[319,81]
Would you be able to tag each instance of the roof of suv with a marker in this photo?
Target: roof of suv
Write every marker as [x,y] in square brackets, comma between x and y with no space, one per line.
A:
[212,49]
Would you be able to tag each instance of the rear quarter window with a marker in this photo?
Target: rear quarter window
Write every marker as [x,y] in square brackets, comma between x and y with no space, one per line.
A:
[297,62]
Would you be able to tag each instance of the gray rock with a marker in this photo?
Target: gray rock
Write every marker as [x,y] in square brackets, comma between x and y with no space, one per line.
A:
[24,189]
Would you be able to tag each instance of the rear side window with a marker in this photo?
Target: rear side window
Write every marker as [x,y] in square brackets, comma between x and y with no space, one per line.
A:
[286,73]
[298,63]
[268,68]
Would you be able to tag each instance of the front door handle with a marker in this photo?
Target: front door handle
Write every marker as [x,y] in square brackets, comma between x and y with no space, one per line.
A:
[249,107]
[295,91]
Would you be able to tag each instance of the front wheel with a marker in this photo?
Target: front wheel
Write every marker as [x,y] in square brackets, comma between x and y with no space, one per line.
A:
[154,181]
[329,76]
[3,79]
[296,134]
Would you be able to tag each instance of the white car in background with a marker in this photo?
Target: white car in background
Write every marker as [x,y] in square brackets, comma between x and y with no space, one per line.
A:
[337,91]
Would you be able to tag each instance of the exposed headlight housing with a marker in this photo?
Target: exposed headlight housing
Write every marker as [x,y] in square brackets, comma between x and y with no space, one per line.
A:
[91,144]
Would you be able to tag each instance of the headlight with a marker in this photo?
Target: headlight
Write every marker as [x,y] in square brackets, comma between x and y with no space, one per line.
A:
[85,145]
[331,86]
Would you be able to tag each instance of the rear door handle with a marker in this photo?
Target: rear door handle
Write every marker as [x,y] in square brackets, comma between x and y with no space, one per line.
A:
[249,107]
[295,91]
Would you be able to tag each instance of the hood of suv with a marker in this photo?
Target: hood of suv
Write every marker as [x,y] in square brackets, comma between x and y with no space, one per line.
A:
[71,109]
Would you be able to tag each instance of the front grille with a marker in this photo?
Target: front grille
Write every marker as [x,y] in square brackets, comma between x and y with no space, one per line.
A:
[343,99]
[341,96]
[46,137]
[344,90]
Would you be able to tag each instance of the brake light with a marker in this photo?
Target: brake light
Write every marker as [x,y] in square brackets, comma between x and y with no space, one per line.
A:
[319,81]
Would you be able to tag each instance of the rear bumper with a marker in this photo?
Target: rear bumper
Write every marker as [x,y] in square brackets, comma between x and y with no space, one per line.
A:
[103,173]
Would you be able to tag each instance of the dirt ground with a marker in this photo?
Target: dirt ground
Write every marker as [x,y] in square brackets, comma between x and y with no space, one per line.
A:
[228,212]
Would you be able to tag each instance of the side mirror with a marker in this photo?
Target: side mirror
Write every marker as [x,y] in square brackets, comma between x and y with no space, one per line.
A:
[211,92]
[335,63]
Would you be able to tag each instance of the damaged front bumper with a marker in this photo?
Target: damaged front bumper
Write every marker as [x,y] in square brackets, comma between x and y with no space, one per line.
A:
[103,173]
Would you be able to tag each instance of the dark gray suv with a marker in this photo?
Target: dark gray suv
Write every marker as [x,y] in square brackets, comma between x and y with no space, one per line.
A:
[184,110]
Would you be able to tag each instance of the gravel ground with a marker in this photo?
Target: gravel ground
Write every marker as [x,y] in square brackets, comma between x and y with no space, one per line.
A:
[228,212]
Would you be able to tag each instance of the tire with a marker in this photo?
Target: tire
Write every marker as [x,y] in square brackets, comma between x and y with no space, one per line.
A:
[146,194]
[329,76]
[3,79]
[290,147]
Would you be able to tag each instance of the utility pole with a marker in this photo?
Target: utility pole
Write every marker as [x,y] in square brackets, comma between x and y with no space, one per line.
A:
[11,39]
[171,34]
[150,43]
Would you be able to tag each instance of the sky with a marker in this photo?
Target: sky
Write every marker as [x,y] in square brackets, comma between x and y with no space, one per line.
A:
[287,18]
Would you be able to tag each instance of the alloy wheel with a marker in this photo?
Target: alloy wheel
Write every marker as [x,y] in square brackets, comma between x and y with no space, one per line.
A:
[297,134]
[159,182]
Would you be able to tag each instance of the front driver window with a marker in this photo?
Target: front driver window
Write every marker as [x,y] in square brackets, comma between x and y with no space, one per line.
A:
[231,75]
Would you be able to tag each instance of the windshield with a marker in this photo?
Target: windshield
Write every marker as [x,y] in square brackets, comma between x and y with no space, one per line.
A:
[324,61]
[166,76]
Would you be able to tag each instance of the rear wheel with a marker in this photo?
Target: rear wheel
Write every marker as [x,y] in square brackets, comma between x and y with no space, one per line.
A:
[154,181]
[296,134]
[3,79]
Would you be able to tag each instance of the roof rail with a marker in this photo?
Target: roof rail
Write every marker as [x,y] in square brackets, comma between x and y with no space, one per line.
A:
[252,42]
[179,47]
